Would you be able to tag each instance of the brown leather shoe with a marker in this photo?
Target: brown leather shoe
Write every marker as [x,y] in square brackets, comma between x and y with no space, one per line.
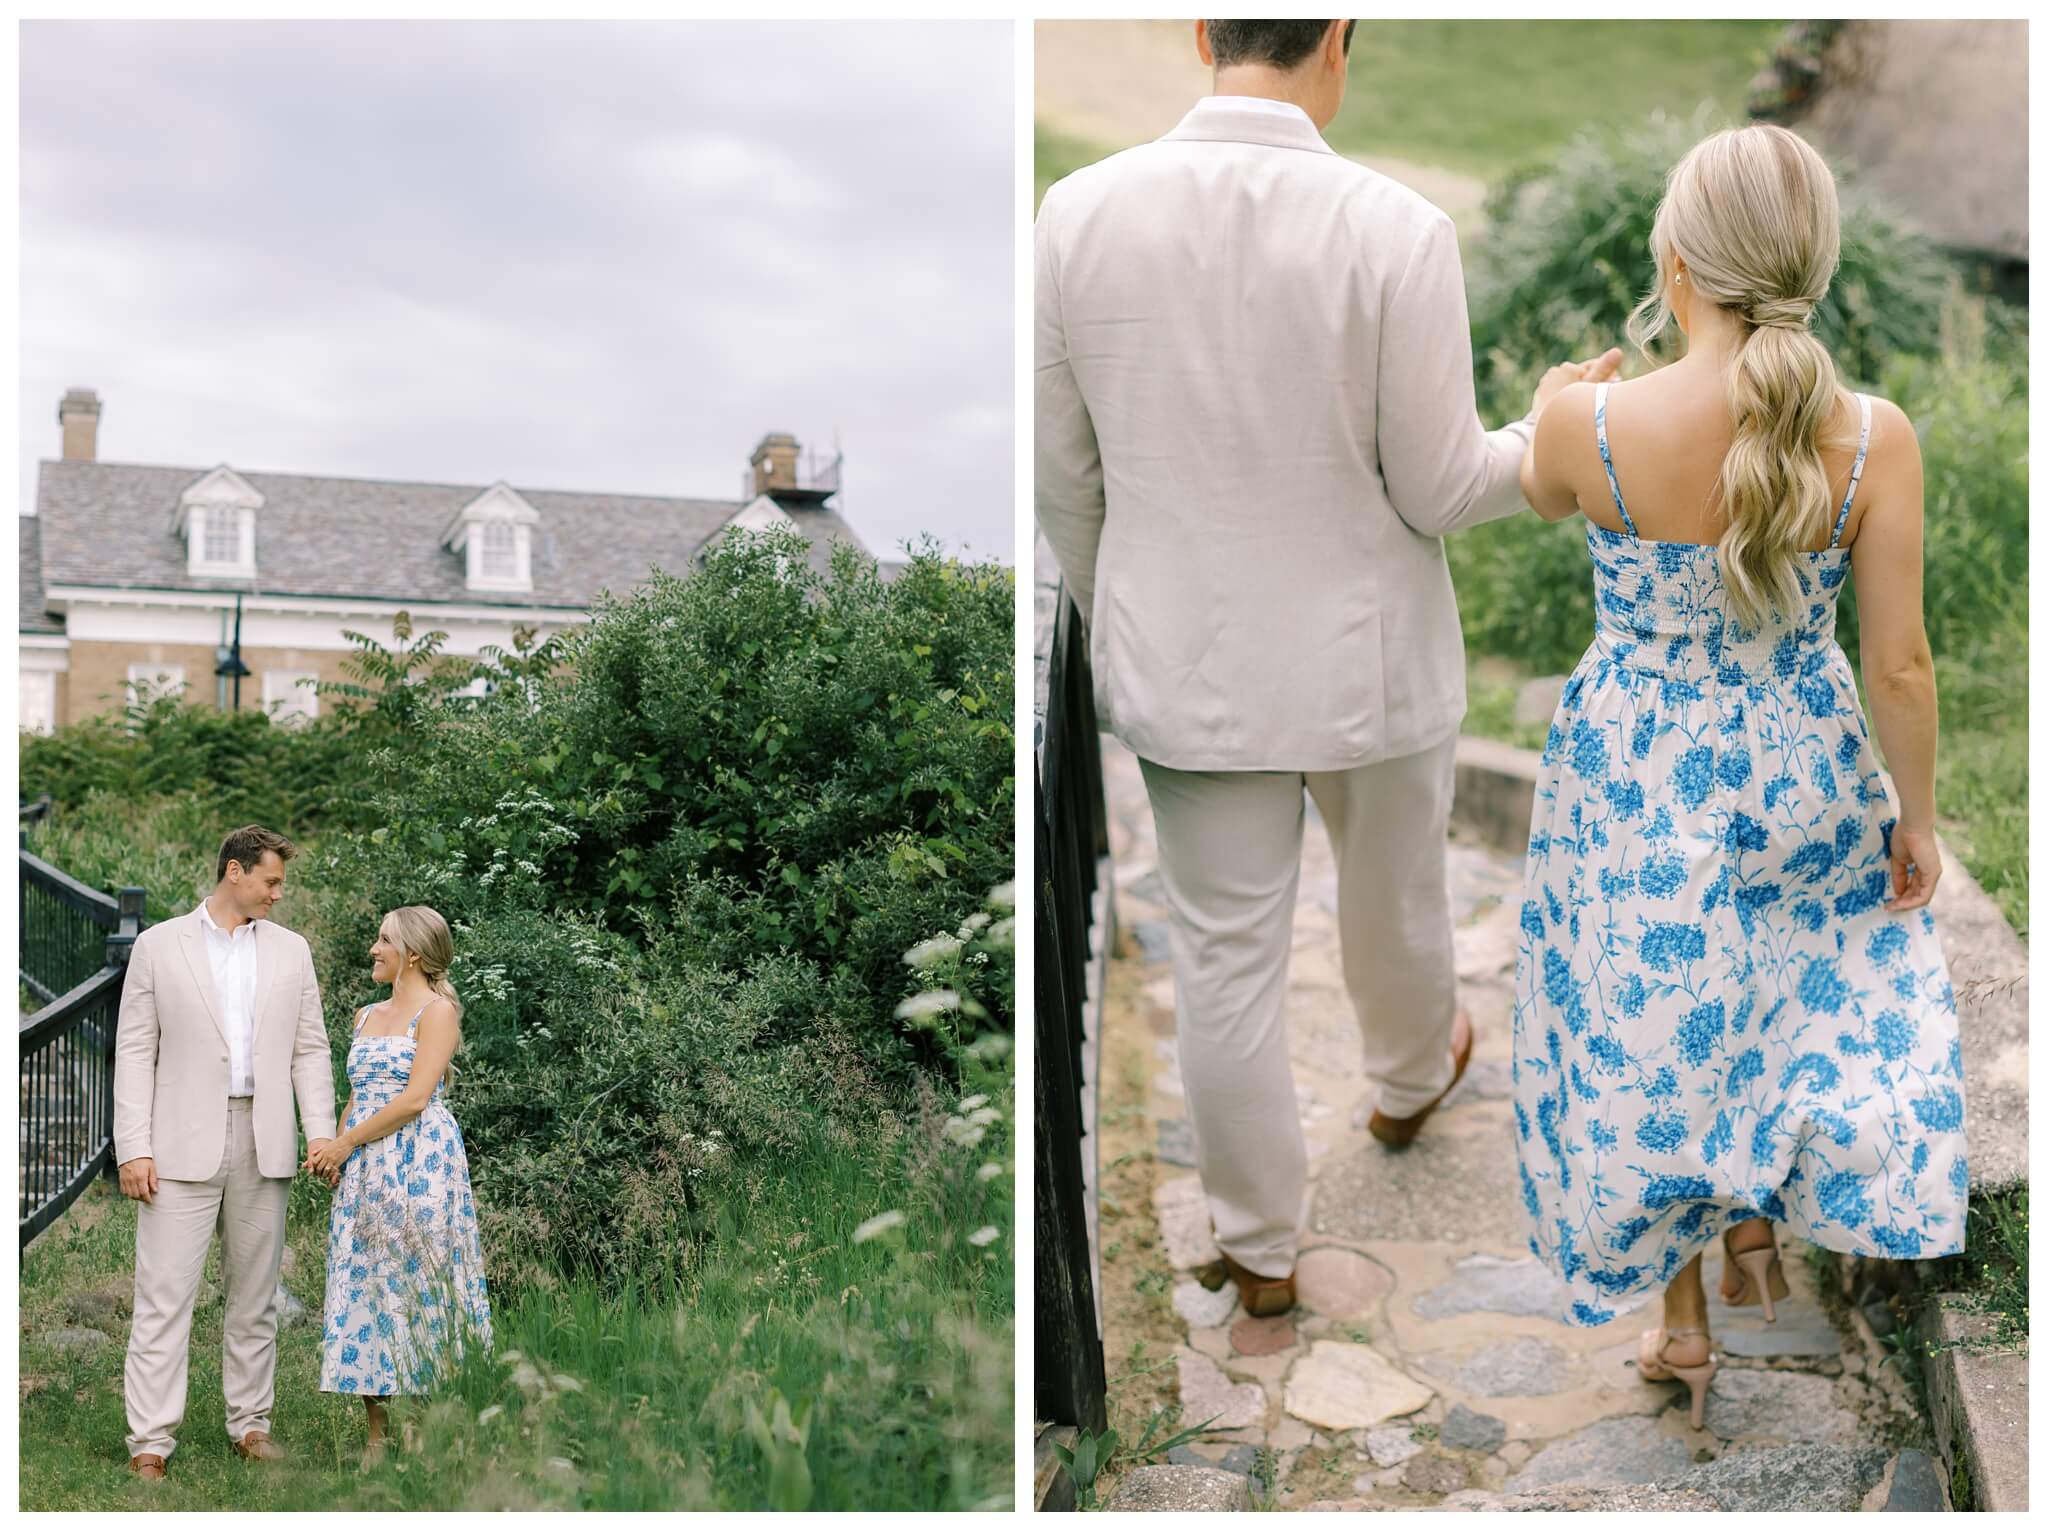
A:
[1262,1296]
[148,1467]
[257,1446]
[1400,1131]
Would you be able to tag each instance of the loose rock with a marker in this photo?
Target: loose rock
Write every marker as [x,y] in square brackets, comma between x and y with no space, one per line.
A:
[1342,1386]
[1207,1396]
[1466,1431]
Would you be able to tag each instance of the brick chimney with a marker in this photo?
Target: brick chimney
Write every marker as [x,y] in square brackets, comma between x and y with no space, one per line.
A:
[774,463]
[78,412]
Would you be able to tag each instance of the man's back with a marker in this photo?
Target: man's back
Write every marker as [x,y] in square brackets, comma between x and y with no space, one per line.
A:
[1265,344]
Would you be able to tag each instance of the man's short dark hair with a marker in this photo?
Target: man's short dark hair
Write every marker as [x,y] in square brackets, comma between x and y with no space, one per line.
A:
[1283,44]
[247,845]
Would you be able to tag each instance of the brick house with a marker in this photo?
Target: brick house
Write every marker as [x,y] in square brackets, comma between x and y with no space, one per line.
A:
[130,574]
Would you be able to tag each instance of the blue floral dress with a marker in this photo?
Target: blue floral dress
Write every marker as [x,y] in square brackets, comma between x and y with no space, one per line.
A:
[1715,1019]
[405,1273]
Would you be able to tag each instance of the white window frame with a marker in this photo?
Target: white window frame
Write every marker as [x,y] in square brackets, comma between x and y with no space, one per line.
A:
[286,699]
[498,549]
[38,710]
[162,678]
[202,512]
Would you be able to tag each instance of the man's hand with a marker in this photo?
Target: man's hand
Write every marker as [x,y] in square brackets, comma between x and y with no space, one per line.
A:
[1599,369]
[138,1180]
[325,1157]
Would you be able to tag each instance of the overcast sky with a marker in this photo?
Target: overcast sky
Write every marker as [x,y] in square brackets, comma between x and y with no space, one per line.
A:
[603,256]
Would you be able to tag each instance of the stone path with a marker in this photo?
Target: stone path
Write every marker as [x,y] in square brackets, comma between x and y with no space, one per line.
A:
[1422,1368]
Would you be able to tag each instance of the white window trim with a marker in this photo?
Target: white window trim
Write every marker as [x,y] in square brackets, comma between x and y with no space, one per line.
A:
[38,711]
[222,489]
[464,535]
[162,678]
[285,699]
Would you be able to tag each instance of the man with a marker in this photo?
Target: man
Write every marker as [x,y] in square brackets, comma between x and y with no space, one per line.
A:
[1255,422]
[221,1030]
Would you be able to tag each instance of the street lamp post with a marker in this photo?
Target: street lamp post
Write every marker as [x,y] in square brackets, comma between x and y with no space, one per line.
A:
[230,666]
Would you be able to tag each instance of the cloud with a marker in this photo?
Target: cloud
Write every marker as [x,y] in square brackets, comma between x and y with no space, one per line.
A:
[596,256]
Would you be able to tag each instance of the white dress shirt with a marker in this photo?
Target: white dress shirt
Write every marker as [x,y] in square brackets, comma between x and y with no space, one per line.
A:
[233,956]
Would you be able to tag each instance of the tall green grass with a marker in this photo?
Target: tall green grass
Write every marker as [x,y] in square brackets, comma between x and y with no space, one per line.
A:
[893,1351]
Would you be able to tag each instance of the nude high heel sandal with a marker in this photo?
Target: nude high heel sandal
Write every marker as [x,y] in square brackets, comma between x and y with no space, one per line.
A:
[1652,1367]
[1763,1278]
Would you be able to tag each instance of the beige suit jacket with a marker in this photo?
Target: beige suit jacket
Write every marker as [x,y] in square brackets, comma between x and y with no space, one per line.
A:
[171,1054]
[1254,423]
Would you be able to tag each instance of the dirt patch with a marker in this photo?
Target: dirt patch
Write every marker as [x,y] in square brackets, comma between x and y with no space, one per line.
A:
[1139,1327]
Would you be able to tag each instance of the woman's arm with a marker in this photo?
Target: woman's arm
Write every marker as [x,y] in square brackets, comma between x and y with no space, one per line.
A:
[1565,417]
[438,1036]
[1898,666]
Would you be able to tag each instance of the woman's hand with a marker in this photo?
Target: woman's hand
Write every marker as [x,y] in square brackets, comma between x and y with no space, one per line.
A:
[326,1157]
[1916,868]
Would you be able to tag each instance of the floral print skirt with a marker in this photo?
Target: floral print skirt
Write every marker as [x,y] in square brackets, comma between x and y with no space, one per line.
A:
[1715,1018]
[405,1275]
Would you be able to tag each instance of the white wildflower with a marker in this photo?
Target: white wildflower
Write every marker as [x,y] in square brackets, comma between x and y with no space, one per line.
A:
[982,1237]
[972,1101]
[925,953]
[490,1414]
[974,922]
[991,1047]
[877,1225]
[988,1171]
[566,1383]
[1004,895]
[932,1002]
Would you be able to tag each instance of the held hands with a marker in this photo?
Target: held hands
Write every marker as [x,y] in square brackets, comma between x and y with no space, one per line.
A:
[1599,369]
[326,1157]
[1916,868]
[138,1180]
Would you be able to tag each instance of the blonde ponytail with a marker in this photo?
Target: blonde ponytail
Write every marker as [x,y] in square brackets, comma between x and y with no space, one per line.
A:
[1782,394]
[1753,214]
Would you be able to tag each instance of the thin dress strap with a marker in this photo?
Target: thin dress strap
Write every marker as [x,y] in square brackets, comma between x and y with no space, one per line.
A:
[1607,457]
[360,1015]
[412,1027]
[1855,473]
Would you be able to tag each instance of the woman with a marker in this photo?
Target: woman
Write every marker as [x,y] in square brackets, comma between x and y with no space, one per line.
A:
[405,1276]
[1730,1006]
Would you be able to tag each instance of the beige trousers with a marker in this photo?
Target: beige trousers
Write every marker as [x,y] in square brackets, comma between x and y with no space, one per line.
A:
[1230,857]
[171,1240]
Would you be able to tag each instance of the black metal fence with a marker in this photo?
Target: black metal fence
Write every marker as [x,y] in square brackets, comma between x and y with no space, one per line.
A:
[1072,835]
[74,946]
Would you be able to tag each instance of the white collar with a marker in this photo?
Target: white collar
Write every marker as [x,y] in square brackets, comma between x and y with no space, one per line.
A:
[1253,104]
[206,918]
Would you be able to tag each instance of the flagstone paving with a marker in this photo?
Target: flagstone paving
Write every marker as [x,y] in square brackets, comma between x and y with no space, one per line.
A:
[1422,1366]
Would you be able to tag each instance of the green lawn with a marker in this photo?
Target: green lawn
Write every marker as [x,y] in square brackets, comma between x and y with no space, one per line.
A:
[1484,97]
[899,1347]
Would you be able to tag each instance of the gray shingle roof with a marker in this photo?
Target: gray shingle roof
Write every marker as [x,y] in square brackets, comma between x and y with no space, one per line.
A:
[35,613]
[111,525]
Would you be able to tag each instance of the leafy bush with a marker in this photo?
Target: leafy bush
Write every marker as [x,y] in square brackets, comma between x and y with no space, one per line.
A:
[1566,256]
[683,874]
[246,767]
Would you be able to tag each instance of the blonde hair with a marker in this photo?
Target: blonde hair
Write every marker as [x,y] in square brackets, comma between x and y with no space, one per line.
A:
[418,931]
[1753,214]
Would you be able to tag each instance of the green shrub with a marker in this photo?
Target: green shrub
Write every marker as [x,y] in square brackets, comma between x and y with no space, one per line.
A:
[248,769]
[1566,256]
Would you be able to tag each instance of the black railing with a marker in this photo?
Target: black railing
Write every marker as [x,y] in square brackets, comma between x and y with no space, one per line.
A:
[1072,835]
[74,957]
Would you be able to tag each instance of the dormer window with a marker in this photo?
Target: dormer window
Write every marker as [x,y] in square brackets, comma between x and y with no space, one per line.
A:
[217,518]
[494,534]
[223,535]
[500,556]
